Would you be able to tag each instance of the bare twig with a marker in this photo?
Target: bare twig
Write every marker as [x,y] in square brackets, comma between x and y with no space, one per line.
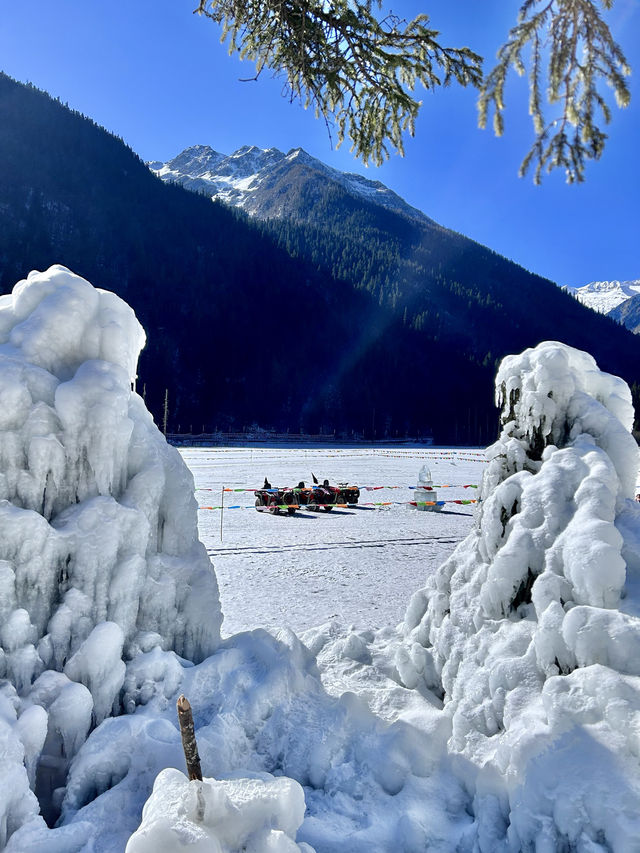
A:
[187,731]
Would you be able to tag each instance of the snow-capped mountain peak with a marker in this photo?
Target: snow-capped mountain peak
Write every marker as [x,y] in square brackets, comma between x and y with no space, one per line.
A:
[199,160]
[604,296]
[258,179]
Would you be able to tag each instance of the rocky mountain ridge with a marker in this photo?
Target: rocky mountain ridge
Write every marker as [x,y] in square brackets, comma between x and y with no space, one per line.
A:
[259,180]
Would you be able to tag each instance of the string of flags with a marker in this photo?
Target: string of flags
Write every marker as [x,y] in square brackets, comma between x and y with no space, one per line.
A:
[419,486]
[447,458]
[344,506]
[462,456]
[362,488]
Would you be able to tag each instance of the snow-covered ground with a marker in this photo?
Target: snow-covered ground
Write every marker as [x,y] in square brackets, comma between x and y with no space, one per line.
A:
[358,565]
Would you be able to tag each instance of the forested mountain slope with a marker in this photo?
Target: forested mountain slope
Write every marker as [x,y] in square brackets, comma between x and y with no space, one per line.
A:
[628,313]
[364,320]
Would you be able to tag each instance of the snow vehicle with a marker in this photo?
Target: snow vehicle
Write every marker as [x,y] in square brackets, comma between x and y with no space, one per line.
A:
[290,498]
[326,497]
[314,498]
[322,497]
[348,494]
[273,501]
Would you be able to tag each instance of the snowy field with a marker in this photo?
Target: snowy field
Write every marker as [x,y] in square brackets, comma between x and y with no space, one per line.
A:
[358,565]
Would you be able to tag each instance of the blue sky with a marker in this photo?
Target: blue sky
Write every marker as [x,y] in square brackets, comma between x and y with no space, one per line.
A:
[155,74]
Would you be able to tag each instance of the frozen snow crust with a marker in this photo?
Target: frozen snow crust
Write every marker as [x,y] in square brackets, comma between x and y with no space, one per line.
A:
[99,555]
[530,631]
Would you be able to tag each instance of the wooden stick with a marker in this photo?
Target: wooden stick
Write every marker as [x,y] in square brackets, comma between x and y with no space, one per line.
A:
[187,731]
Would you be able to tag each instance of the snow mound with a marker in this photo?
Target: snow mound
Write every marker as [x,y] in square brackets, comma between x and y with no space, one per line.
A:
[260,712]
[238,816]
[528,631]
[99,554]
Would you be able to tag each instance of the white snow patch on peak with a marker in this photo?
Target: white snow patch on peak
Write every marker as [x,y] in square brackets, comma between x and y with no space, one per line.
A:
[530,630]
[227,178]
[99,552]
[604,296]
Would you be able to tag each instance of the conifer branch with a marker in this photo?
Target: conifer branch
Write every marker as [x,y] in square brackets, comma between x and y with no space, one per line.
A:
[355,70]
[581,54]
[359,72]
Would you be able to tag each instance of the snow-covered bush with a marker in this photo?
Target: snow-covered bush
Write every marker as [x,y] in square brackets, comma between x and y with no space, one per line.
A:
[100,560]
[529,631]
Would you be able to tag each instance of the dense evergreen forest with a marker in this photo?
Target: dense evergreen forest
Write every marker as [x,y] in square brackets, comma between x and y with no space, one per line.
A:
[438,281]
[353,319]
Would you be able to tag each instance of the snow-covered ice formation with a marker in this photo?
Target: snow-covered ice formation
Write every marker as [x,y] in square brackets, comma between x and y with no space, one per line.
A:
[530,631]
[504,717]
[260,708]
[233,816]
[100,560]
[425,494]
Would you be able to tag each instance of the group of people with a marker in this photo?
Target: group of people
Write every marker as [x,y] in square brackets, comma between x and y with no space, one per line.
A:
[301,485]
